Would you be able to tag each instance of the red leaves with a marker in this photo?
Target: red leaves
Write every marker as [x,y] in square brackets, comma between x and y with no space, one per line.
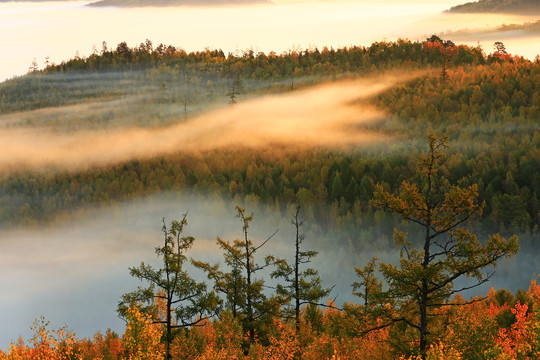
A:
[439,47]
[467,331]
[519,342]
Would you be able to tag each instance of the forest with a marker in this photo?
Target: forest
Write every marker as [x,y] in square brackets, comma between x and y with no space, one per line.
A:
[498,6]
[484,110]
[487,106]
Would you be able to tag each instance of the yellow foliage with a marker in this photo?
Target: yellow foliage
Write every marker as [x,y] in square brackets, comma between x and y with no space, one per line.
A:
[438,351]
[142,339]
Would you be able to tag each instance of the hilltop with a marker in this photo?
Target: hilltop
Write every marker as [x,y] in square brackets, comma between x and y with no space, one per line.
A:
[498,6]
[488,101]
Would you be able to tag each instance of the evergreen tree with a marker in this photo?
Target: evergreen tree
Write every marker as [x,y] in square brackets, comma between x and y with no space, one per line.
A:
[301,286]
[186,301]
[425,277]
[369,287]
[243,291]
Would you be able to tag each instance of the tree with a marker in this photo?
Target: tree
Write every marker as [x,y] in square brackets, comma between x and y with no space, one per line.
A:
[141,339]
[186,302]
[244,292]
[33,67]
[369,287]
[447,48]
[499,46]
[425,277]
[302,286]
[104,48]
[186,78]
[235,90]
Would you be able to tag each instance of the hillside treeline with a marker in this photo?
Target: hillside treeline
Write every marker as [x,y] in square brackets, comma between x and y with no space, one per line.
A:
[498,6]
[168,75]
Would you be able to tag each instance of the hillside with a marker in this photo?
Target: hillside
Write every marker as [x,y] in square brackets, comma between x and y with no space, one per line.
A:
[487,102]
[33,0]
[495,34]
[498,6]
[453,156]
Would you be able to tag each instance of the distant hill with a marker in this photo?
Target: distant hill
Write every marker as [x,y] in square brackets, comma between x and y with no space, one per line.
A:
[143,3]
[508,31]
[498,6]
[4,1]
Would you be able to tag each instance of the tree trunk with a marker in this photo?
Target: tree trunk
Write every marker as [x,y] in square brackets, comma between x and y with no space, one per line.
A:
[296,275]
[425,291]
[248,278]
[169,330]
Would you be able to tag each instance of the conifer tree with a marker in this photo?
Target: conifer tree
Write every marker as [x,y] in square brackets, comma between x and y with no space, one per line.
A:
[369,287]
[425,277]
[243,291]
[302,286]
[187,303]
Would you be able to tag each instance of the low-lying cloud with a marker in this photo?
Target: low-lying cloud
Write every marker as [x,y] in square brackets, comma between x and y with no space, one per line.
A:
[330,115]
[75,272]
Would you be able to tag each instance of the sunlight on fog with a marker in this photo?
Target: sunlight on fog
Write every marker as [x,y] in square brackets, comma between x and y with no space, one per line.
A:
[75,272]
[322,116]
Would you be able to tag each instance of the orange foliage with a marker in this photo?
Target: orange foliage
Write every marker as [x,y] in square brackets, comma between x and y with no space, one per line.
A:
[437,46]
[462,331]
[519,342]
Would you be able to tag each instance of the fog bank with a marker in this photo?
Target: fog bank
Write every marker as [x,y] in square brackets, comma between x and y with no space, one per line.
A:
[328,115]
[74,273]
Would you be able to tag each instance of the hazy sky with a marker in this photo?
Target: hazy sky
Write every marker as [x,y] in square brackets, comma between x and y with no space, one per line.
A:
[59,30]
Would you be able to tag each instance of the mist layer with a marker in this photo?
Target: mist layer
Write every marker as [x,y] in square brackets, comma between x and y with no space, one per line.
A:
[330,115]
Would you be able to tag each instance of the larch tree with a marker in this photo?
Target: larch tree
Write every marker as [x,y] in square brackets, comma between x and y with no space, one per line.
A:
[186,302]
[243,291]
[424,279]
[236,89]
[302,286]
[369,287]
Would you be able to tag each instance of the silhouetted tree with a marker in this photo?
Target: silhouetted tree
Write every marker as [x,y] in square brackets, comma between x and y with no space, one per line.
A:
[235,90]
[33,66]
[499,46]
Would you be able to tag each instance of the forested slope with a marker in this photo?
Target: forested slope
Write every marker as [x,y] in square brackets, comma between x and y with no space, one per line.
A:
[488,107]
[498,6]
[142,3]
